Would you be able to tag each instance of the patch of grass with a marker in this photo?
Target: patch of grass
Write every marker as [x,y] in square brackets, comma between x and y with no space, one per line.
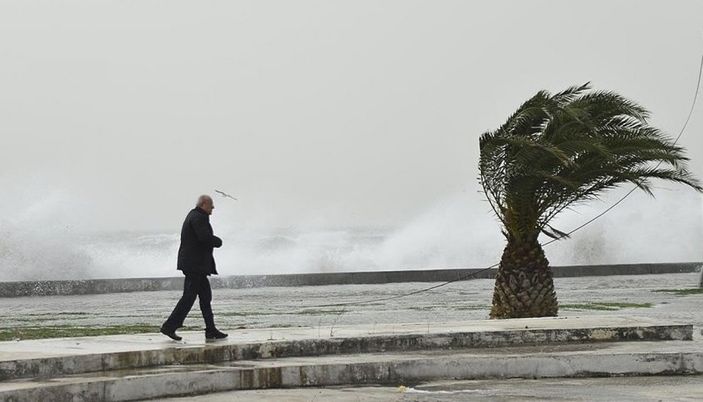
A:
[60,313]
[422,308]
[448,307]
[682,292]
[252,313]
[626,305]
[612,306]
[36,319]
[312,311]
[471,307]
[586,307]
[243,313]
[69,331]
[259,313]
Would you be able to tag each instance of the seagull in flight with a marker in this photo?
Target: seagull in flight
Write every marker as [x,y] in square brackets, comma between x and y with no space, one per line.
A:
[222,193]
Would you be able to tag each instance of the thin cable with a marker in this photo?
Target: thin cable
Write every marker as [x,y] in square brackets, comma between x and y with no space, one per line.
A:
[468,276]
[398,296]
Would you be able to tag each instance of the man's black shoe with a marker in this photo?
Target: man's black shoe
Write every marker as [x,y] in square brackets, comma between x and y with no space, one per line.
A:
[214,335]
[171,334]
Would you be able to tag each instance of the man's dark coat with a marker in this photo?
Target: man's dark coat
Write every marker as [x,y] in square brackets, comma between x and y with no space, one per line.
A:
[197,243]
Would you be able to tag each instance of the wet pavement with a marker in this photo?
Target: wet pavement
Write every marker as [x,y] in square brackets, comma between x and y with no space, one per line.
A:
[304,306]
[681,388]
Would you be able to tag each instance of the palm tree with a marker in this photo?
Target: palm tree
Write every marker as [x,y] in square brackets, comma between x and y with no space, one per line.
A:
[554,152]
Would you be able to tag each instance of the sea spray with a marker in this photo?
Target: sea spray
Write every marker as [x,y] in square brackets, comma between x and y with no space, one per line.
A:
[51,238]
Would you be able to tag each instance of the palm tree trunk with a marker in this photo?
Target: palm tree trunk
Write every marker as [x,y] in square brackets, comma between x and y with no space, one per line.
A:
[524,286]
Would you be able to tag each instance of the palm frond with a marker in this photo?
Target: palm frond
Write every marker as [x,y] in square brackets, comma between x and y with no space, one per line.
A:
[563,149]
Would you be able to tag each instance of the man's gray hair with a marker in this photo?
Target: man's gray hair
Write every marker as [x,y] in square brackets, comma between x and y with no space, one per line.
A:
[203,199]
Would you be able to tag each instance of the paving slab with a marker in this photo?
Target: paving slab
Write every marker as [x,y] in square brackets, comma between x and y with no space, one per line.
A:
[61,356]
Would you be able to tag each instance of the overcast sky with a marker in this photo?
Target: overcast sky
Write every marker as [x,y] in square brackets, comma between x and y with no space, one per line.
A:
[332,112]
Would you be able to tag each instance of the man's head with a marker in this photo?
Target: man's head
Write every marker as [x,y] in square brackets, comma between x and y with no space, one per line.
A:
[205,203]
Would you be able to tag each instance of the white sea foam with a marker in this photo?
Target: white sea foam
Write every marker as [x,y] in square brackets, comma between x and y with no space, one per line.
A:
[50,239]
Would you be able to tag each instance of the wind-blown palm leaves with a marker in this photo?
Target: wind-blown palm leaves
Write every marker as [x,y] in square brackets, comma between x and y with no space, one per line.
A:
[553,152]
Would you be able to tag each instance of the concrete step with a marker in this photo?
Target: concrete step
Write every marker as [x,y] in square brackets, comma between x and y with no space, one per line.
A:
[56,357]
[549,361]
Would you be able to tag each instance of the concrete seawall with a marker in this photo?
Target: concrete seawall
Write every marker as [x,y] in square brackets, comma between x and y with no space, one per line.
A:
[99,286]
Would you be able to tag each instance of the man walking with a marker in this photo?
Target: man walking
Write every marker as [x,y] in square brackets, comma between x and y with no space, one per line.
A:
[197,263]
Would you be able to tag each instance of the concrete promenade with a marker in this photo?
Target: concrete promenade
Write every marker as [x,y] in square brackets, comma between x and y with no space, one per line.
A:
[281,337]
[289,307]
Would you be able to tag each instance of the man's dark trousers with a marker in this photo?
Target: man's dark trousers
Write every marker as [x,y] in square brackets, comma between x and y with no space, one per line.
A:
[194,285]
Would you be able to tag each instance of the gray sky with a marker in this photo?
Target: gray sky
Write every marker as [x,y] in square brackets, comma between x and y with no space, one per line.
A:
[327,112]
